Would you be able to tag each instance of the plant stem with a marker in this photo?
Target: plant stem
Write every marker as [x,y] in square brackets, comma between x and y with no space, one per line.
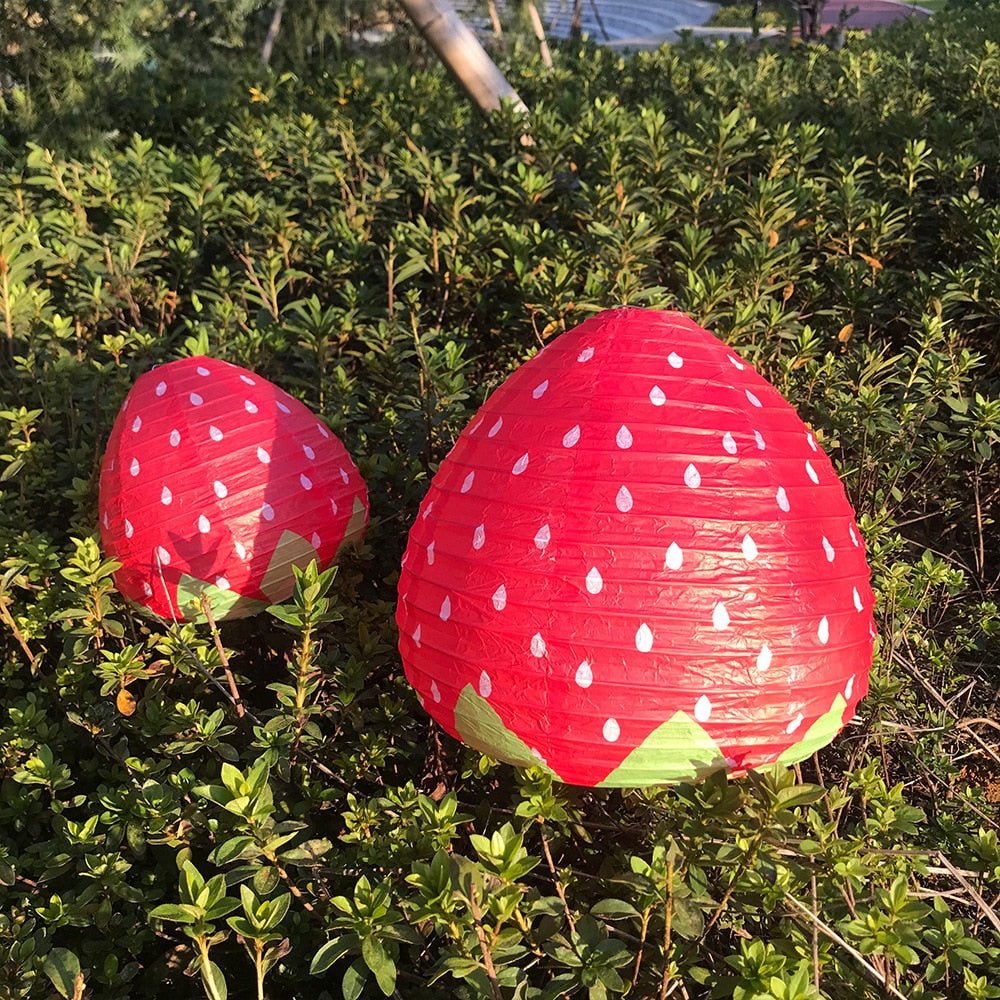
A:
[557,882]
[206,608]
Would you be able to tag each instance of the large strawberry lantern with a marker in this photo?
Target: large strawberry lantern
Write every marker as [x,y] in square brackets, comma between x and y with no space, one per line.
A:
[216,481]
[637,566]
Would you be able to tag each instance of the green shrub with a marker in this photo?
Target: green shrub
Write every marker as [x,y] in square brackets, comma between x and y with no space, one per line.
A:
[358,235]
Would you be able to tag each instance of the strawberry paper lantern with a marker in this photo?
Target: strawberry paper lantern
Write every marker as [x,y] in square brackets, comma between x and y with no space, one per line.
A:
[217,481]
[637,566]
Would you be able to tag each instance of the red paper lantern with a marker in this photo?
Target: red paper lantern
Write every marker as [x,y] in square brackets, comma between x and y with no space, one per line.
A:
[637,566]
[217,481]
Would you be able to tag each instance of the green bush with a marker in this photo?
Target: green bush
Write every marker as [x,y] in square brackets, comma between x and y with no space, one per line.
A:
[356,234]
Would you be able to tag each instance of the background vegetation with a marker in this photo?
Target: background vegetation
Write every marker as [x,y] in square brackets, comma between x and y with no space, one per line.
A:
[347,227]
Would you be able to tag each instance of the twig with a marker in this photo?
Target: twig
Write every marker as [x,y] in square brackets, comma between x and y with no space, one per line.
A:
[988,910]
[491,972]
[8,620]
[826,929]
[560,892]
[206,608]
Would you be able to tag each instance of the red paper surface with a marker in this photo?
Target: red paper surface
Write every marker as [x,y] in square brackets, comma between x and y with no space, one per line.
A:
[636,566]
[216,480]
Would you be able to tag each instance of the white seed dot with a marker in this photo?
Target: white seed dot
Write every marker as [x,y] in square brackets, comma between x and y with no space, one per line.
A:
[764,657]
[479,537]
[334,508]
[263,456]
[344,477]
[752,399]
[161,388]
[308,452]
[305,482]
[849,689]
[147,589]
[857,601]
[571,436]
[692,477]
[594,581]
[241,550]
[134,467]
[657,396]
[485,685]
[247,379]
[675,557]
[782,497]
[585,355]
[202,371]
[416,639]
[624,437]
[430,554]
[195,399]
[175,438]
[520,465]
[445,613]
[750,550]
[203,526]
[322,429]
[611,730]
[136,424]
[163,555]
[282,407]
[675,360]
[104,520]
[467,484]
[538,649]
[811,473]
[220,489]
[823,632]
[736,363]
[729,443]
[539,389]
[850,529]
[644,638]
[166,497]
[128,528]
[795,723]
[720,617]
[759,439]
[267,512]
[222,583]
[435,691]
[249,406]
[812,442]
[316,541]
[543,537]
[828,549]
[495,429]
[214,433]
[584,675]
[703,709]
[500,598]
[623,501]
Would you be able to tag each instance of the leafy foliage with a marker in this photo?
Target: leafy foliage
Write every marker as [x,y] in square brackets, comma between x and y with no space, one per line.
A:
[356,234]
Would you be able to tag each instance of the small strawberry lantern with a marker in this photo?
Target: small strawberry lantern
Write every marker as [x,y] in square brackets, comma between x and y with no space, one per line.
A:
[637,566]
[216,481]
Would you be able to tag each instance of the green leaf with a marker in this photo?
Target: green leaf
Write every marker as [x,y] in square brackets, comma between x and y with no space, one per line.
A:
[215,981]
[354,980]
[799,795]
[63,969]
[329,953]
[377,959]
[233,849]
[689,921]
[612,909]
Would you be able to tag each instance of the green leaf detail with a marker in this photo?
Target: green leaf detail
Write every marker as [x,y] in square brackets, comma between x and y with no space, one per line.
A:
[224,603]
[821,732]
[63,969]
[679,750]
[480,726]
